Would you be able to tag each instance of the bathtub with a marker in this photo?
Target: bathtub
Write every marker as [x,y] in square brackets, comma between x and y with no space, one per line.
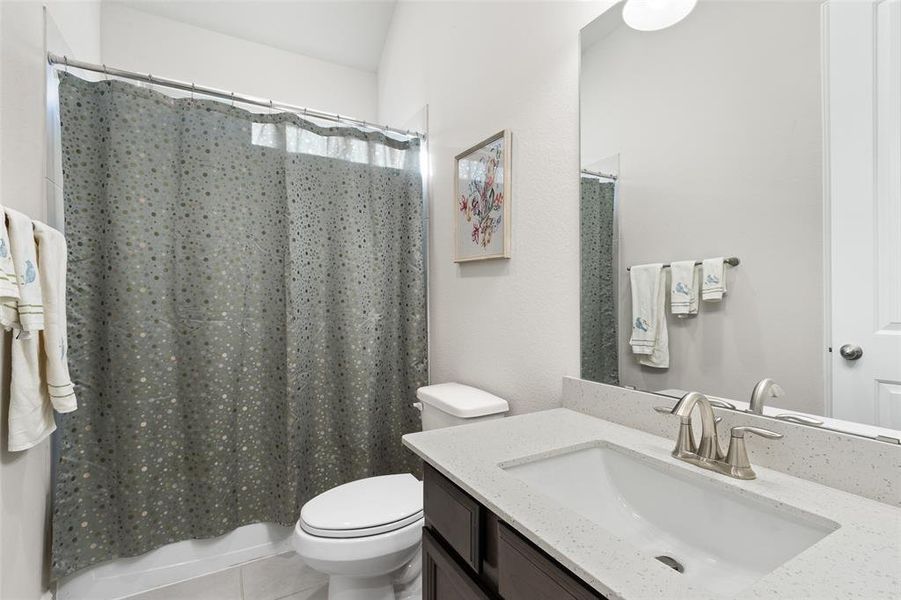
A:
[175,562]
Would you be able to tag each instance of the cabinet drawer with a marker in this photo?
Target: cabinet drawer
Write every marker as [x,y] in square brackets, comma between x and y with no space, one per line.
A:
[453,515]
[525,573]
[443,578]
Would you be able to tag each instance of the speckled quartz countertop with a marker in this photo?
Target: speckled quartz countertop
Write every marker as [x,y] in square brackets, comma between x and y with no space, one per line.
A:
[861,559]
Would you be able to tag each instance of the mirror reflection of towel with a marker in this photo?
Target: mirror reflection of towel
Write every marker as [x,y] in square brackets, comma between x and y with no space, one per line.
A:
[713,276]
[684,288]
[650,340]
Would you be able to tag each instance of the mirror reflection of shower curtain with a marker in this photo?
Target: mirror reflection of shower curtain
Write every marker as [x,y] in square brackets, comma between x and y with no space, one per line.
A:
[247,316]
[598,281]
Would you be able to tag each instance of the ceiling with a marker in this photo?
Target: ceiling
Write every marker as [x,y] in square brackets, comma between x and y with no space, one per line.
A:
[350,33]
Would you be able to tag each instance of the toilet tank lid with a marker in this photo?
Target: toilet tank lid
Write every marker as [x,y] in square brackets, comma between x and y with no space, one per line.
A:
[461,400]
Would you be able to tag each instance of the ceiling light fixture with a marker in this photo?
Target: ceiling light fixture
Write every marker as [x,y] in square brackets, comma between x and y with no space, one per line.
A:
[653,15]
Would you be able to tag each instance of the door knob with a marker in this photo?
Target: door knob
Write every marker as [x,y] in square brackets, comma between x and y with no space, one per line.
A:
[851,351]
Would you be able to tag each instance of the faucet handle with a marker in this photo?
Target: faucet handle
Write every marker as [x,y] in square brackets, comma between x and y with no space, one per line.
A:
[740,431]
[721,404]
[737,462]
[665,410]
[793,418]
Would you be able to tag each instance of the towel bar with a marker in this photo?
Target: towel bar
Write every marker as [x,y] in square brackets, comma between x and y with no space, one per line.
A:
[732,261]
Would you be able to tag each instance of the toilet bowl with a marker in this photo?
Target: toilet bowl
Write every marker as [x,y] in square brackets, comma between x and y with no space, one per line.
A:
[363,568]
[365,535]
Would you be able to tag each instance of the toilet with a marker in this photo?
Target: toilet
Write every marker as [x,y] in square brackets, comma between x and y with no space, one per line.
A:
[365,535]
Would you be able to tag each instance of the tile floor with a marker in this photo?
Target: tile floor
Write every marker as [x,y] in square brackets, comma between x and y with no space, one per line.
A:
[281,577]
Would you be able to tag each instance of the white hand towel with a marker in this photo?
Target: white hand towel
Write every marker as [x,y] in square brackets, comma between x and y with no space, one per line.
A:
[649,341]
[713,274]
[684,289]
[9,289]
[52,266]
[30,410]
[25,260]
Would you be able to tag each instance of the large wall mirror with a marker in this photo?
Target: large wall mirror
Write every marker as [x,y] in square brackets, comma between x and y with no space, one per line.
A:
[767,132]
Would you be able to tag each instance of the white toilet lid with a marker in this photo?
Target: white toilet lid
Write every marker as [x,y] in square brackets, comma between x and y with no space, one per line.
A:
[364,507]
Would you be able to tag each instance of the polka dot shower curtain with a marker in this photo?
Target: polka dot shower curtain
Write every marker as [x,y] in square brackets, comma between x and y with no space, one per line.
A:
[598,328]
[247,316]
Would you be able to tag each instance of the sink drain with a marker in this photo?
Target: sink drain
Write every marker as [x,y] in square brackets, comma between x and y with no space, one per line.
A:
[671,562]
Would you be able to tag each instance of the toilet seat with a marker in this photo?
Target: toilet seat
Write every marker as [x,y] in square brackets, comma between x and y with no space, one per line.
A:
[362,532]
[363,508]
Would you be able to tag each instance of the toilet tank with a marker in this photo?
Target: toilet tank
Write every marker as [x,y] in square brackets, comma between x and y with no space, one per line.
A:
[448,404]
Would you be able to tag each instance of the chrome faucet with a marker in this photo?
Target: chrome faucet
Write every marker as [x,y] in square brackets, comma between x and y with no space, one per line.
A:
[767,388]
[708,454]
[709,448]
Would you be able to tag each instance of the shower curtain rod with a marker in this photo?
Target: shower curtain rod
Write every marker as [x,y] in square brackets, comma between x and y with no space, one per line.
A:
[66,62]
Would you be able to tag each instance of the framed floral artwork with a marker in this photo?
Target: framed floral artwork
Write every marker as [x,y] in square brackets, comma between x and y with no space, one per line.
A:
[482,194]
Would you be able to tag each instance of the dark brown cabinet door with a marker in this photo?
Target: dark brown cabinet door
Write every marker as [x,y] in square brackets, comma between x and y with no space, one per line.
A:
[443,578]
[525,573]
[469,554]
[454,516]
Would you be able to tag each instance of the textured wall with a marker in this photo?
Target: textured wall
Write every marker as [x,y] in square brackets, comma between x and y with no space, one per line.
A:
[508,326]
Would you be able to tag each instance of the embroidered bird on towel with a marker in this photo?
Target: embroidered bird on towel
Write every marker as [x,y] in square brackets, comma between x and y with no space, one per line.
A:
[30,272]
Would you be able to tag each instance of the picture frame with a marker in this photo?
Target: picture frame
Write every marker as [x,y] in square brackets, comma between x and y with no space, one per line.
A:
[483,185]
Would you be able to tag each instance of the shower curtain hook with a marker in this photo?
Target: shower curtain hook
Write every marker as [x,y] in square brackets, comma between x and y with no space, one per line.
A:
[270,108]
[233,99]
[66,60]
[193,85]
[150,80]
[105,73]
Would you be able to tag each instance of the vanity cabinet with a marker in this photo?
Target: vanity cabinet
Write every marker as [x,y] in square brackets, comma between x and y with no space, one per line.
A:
[443,577]
[468,553]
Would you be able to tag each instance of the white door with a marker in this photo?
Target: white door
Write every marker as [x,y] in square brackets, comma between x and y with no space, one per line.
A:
[863,114]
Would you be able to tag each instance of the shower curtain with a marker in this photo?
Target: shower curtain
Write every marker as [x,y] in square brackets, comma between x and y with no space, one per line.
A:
[598,282]
[247,316]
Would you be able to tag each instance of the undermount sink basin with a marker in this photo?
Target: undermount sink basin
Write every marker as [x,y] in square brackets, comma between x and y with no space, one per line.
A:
[719,539]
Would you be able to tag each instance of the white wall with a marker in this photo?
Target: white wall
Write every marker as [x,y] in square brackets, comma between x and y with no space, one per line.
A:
[25,476]
[509,326]
[718,126]
[146,43]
